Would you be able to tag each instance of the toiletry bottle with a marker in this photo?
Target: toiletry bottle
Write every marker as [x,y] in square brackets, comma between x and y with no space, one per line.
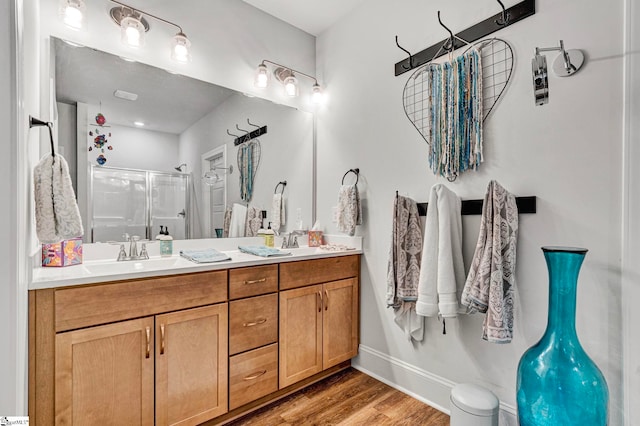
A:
[166,244]
[262,233]
[269,236]
[161,233]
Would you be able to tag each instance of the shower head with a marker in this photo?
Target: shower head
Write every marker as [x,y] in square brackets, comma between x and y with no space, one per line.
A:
[179,168]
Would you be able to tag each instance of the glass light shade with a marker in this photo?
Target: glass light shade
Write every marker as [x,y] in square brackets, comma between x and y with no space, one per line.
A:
[261,79]
[132,32]
[291,86]
[316,94]
[72,13]
[180,48]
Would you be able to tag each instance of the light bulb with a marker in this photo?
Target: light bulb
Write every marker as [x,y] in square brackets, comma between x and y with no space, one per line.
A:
[291,86]
[180,48]
[72,13]
[132,31]
[316,95]
[262,77]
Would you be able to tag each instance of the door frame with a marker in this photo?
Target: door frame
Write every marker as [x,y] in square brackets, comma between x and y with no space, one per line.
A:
[208,232]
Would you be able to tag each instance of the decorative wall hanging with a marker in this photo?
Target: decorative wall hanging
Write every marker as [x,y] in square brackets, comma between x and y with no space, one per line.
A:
[99,138]
[448,102]
[248,162]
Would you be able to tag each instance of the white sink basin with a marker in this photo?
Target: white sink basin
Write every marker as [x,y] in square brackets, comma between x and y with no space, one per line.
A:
[115,267]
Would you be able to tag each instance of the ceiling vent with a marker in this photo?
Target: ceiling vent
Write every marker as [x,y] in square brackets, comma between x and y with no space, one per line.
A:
[125,95]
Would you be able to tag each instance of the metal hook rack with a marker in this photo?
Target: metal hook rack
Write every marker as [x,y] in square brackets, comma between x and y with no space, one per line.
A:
[355,171]
[259,131]
[283,183]
[474,207]
[501,20]
[35,122]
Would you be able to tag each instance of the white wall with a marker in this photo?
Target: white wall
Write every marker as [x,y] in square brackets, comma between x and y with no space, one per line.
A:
[286,152]
[567,153]
[67,140]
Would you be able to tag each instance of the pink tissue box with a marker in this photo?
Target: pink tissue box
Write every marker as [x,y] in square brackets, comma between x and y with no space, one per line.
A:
[64,253]
[315,238]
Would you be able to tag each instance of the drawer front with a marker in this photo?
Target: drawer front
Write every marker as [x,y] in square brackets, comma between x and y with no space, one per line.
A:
[253,375]
[253,323]
[252,281]
[77,307]
[308,272]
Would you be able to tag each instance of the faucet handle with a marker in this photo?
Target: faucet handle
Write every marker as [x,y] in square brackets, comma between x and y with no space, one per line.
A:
[126,236]
[285,244]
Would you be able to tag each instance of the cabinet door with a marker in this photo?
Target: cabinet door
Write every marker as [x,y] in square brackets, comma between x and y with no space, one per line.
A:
[104,375]
[340,322]
[300,334]
[191,365]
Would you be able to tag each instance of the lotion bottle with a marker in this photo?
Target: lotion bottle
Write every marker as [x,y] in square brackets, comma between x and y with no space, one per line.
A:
[269,236]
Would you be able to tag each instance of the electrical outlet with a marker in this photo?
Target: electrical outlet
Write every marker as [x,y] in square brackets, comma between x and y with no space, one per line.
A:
[334,214]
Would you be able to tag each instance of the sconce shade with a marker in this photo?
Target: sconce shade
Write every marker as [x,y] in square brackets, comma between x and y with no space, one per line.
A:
[72,13]
[180,48]
[132,31]
[316,93]
[261,79]
[291,86]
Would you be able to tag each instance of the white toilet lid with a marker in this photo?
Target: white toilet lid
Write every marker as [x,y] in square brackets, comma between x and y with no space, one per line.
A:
[475,399]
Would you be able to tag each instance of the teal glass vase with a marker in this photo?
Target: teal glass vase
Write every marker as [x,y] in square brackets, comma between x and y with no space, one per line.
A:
[558,384]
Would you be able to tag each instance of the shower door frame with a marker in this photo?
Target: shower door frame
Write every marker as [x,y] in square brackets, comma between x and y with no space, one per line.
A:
[148,206]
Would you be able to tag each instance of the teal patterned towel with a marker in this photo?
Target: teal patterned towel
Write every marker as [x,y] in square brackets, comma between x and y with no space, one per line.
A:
[263,251]
[204,256]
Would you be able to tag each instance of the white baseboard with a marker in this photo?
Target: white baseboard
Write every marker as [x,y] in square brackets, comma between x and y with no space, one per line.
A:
[420,384]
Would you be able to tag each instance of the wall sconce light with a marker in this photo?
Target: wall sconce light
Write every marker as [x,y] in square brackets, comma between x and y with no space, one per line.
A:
[134,26]
[72,13]
[565,65]
[288,77]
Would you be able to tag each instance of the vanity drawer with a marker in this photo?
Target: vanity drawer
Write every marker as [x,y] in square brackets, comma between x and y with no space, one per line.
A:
[308,272]
[253,323]
[253,375]
[253,281]
[77,307]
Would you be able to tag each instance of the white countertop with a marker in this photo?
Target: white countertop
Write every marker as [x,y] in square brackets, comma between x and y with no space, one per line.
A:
[100,265]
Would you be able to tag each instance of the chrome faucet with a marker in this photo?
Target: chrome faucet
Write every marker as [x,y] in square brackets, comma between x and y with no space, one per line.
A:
[291,240]
[133,248]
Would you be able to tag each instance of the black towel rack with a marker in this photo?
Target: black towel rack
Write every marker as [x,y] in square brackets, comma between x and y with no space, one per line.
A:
[355,171]
[474,207]
[283,183]
[35,122]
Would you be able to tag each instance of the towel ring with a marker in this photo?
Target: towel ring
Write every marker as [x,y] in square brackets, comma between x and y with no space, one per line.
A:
[283,183]
[354,171]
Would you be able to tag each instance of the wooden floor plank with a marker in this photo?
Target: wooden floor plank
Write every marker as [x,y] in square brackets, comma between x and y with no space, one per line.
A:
[349,398]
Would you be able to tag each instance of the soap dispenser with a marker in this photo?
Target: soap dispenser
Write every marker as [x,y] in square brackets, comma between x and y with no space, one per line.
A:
[269,236]
[166,244]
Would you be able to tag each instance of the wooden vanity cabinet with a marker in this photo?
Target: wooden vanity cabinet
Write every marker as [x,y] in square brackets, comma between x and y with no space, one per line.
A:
[318,322]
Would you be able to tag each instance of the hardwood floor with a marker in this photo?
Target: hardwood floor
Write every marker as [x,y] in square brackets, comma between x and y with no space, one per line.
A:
[348,398]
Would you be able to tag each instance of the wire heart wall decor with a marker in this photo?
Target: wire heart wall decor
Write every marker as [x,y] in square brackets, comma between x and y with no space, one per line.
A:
[497,68]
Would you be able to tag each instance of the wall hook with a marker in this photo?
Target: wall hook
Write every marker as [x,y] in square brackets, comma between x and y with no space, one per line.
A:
[504,21]
[231,134]
[251,124]
[450,34]
[242,130]
[408,53]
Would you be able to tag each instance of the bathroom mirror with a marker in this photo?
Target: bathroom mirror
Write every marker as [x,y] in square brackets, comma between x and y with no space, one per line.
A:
[140,140]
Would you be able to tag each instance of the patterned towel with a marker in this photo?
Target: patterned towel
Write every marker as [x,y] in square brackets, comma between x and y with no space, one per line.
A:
[403,272]
[254,222]
[57,214]
[204,256]
[277,212]
[263,251]
[349,209]
[489,286]
[227,222]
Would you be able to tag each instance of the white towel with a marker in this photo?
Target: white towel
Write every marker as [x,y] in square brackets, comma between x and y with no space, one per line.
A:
[442,269]
[490,284]
[277,212]
[349,209]
[57,214]
[238,220]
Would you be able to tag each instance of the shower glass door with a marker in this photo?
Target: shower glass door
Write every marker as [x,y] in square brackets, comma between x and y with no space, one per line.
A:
[169,201]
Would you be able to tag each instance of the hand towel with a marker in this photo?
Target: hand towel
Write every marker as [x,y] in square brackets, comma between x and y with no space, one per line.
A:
[204,256]
[226,225]
[490,285]
[277,212]
[442,268]
[57,214]
[254,222]
[403,270]
[238,220]
[349,209]
[263,251]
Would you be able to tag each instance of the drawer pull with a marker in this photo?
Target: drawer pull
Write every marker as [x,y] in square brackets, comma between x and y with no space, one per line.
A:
[261,280]
[161,339]
[148,352]
[255,376]
[258,322]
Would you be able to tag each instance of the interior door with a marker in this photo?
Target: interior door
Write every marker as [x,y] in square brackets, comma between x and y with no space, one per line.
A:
[218,190]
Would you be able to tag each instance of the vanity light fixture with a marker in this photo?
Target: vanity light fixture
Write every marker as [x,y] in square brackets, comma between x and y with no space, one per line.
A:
[134,26]
[288,77]
[565,65]
[72,13]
